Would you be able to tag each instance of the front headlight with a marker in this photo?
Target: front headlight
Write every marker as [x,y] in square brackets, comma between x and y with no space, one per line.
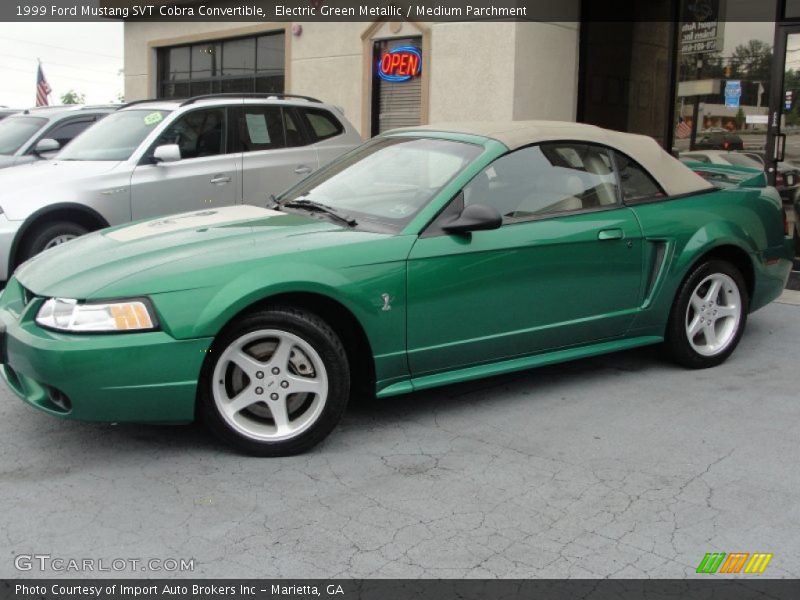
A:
[64,314]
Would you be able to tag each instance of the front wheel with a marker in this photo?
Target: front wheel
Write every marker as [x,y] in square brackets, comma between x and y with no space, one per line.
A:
[709,315]
[49,235]
[276,383]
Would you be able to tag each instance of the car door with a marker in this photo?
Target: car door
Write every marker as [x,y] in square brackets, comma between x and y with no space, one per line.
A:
[207,174]
[565,268]
[275,151]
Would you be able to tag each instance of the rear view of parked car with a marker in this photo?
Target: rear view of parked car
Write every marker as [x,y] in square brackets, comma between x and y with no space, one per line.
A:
[719,141]
[37,133]
[155,158]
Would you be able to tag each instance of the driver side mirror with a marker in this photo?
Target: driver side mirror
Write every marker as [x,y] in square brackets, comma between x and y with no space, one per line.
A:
[475,217]
[167,153]
[46,146]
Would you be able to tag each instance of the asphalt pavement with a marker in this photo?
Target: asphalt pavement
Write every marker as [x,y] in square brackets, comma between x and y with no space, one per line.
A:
[622,465]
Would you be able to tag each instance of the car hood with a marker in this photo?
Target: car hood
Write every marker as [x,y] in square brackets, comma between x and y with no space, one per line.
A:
[184,251]
[6,160]
[33,178]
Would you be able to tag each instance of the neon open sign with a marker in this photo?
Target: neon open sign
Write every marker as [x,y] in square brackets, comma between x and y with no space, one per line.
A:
[400,64]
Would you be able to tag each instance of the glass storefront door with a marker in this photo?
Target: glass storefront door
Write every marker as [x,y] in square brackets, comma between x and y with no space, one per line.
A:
[783,148]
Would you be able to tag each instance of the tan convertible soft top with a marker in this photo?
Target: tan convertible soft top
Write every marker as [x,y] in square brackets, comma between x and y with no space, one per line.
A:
[673,176]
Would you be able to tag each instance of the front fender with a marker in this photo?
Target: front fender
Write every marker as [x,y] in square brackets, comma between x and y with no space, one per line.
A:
[360,289]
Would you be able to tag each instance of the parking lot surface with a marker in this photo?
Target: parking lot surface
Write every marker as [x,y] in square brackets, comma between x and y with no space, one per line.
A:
[622,465]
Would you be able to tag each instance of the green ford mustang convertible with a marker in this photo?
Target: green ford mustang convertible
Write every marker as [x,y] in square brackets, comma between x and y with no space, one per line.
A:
[424,257]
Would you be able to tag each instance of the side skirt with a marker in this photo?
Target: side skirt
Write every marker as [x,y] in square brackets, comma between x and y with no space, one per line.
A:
[514,364]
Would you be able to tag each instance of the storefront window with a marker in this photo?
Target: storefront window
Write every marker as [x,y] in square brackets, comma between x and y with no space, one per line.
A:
[723,76]
[243,65]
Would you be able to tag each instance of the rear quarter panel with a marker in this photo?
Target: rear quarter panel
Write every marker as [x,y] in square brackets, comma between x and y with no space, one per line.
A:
[694,225]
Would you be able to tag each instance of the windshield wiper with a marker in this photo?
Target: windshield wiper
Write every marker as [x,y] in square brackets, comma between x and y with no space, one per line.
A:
[312,206]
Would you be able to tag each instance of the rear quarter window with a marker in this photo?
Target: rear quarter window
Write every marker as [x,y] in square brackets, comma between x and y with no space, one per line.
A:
[637,184]
[322,125]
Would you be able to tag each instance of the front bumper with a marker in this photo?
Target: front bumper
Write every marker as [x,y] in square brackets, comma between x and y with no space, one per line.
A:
[138,377]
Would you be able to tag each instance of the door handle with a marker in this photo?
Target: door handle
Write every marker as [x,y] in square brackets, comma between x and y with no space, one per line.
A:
[220,179]
[610,234]
[303,170]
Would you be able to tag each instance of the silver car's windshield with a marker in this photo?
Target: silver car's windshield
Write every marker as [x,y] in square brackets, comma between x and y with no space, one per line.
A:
[16,131]
[114,138]
[386,180]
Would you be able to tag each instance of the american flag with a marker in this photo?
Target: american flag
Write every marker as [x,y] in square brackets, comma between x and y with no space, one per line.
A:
[42,88]
[682,130]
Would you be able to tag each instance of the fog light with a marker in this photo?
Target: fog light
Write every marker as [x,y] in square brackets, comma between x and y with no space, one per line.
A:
[59,399]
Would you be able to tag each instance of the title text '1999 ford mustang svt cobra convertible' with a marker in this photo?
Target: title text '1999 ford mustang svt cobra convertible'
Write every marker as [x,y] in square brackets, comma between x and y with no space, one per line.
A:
[426,256]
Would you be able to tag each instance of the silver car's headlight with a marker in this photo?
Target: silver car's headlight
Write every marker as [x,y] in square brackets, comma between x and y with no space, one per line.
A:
[65,314]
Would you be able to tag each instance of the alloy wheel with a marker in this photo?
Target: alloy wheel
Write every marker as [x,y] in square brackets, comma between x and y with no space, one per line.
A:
[713,314]
[270,385]
[58,240]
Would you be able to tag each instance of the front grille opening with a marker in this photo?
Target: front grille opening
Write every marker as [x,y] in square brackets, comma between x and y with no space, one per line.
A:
[59,399]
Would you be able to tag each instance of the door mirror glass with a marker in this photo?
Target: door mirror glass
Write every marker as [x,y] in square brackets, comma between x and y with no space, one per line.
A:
[45,146]
[167,153]
[475,217]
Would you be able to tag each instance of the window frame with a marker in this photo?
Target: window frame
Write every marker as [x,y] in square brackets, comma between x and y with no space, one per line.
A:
[234,140]
[312,134]
[216,82]
[147,156]
[643,199]
[302,128]
[90,118]
[434,227]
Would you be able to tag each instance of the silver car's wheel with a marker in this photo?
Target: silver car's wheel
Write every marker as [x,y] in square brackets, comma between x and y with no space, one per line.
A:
[46,235]
[58,240]
[713,314]
[270,385]
[275,382]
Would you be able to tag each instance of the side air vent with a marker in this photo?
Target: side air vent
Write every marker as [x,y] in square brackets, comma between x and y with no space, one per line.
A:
[659,252]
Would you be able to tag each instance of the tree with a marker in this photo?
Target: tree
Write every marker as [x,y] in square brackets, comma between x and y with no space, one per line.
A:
[73,97]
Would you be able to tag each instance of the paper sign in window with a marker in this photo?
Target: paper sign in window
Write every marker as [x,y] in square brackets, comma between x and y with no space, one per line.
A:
[257,129]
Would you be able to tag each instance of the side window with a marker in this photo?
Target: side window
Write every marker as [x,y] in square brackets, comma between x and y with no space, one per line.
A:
[258,128]
[64,132]
[546,179]
[637,184]
[294,134]
[322,124]
[198,133]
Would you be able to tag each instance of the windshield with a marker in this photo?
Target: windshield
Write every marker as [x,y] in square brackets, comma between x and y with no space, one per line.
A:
[388,179]
[114,138]
[16,131]
[742,160]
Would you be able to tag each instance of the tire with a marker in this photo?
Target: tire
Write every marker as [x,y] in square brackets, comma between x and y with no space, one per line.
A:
[696,305]
[47,235]
[241,395]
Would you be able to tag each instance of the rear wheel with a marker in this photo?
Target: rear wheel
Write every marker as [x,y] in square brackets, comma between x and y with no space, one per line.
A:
[709,315]
[49,235]
[276,384]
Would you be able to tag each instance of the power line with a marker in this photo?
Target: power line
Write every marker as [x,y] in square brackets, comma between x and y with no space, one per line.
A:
[63,48]
[49,62]
[33,73]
